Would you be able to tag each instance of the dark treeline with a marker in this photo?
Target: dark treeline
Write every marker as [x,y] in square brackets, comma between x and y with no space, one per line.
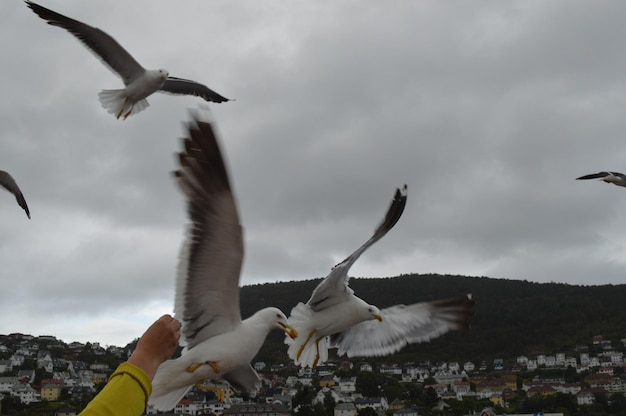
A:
[513,317]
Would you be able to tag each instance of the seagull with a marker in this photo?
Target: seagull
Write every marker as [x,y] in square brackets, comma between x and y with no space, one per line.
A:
[615,178]
[139,82]
[217,343]
[8,183]
[335,318]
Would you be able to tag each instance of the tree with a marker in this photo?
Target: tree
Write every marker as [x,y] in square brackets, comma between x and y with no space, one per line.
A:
[367,384]
[303,397]
[329,404]
[430,398]
[367,411]
[617,404]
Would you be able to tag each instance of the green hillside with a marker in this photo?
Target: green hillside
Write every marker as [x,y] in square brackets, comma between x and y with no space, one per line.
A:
[512,317]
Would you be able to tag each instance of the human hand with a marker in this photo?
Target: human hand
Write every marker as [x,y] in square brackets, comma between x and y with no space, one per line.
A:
[156,345]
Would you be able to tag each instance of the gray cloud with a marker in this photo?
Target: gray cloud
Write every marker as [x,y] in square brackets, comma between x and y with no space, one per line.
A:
[487,111]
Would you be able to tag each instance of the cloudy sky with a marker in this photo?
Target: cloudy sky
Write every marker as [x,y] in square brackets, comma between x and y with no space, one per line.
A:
[488,110]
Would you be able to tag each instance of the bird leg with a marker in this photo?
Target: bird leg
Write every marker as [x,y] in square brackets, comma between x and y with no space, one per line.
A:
[122,109]
[212,364]
[129,111]
[304,344]
[317,352]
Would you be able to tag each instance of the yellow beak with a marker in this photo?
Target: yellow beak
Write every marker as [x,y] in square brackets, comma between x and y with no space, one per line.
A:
[289,330]
[378,317]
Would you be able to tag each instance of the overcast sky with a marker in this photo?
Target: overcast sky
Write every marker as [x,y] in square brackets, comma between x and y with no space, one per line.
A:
[488,110]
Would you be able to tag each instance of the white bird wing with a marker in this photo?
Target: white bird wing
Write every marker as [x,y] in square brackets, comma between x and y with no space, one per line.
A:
[8,183]
[334,288]
[173,85]
[207,288]
[402,325]
[111,53]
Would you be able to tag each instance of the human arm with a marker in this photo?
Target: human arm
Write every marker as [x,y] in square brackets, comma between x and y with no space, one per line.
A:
[129,387]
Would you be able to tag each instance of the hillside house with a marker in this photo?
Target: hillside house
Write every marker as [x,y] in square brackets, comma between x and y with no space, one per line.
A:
[408,411]
[256,409]
[25,392]
[541,390]
[461,388]
[377,403]
[5,366]
[65,411]
[26,376]
[51,390]
[345,409]
[6,384]
[323,392]
[17,360]
[347,385]
[327,381]
[366,367]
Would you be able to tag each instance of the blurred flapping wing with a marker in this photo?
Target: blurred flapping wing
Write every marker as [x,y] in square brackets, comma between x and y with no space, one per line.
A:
[402,325]
[207,289]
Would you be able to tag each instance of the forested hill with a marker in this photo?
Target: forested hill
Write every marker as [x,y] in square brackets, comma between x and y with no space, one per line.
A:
[512,317]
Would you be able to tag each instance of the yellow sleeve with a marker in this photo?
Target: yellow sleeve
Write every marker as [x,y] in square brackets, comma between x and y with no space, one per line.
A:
[126,394]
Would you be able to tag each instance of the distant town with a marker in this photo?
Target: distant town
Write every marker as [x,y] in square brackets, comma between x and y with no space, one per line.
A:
[44,376]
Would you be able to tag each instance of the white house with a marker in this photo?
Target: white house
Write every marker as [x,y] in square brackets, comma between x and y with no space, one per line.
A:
[345,409]
[5,366]
[6,384]
[409,411]
[366,367]
[390,370]
[585,397]
[25,392]
[469,367]
[347,385]
[377,403]
[17,360]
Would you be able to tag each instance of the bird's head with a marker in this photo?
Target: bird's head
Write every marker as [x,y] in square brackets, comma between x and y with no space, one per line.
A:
[374,313]
[282,324]
[164,73]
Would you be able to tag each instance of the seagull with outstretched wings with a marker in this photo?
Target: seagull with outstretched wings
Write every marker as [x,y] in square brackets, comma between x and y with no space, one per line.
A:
[615,178]
[218,343]
[139,82]
[335,318]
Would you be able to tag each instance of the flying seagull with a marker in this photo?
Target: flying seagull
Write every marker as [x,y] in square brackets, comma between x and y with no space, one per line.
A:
[139,82]
[217,342]
[615,178]
[8,183]
[335,318]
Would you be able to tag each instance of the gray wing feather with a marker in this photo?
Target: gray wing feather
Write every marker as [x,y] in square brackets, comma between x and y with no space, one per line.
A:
[173,85]
[8,183]
[602,175]
[207,289]
[111,53]
[402,325]
[243,379]
[334,288]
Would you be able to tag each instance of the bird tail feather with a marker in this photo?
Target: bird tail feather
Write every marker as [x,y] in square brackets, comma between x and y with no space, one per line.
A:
[116,103]
[163,397]
[300,319]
